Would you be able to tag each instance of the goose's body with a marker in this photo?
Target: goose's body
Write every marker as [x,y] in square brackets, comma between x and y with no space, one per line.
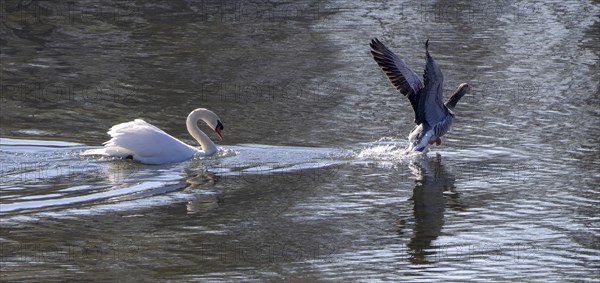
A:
[433,118]
[144,142]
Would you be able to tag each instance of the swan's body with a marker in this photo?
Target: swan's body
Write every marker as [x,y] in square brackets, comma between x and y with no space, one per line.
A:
[433,118]
[143,142]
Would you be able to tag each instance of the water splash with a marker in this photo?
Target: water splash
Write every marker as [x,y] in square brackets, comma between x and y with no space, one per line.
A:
[386,149]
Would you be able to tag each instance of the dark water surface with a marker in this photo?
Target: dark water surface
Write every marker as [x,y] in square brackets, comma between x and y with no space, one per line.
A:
[311,181]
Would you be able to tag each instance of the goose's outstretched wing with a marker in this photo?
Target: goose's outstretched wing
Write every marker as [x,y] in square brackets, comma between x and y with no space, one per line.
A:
[431,109]
[402,77]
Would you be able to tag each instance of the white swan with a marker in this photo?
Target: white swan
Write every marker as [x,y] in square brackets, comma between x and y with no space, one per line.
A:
[143,142]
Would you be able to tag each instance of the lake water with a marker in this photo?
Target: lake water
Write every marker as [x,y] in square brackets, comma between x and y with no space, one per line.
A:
[312,181]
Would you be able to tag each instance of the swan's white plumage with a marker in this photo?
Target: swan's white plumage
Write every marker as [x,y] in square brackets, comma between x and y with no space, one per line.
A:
[144,142]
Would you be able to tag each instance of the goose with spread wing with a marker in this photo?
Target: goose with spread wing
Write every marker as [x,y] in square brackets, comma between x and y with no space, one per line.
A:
[433,118]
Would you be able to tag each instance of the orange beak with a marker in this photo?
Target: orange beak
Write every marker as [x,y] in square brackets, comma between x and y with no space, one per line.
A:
[218,130]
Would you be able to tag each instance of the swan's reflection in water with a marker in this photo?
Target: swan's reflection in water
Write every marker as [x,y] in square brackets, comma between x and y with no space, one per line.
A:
[434,190]
[198,180]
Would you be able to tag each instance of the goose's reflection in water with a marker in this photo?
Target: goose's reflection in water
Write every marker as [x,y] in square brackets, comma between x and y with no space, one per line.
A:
[434,191]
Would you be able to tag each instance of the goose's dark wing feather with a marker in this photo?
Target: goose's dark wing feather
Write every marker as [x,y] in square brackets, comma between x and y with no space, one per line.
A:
[402,77]
[431,106]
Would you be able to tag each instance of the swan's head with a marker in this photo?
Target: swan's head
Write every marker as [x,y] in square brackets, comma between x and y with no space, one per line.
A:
[218,128]
[214,122]
[210,118]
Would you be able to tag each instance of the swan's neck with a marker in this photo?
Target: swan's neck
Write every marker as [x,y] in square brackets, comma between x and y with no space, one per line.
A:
[208,146]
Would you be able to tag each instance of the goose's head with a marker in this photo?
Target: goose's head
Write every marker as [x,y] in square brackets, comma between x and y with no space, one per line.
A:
[462,89]
[465,88]
[470,88]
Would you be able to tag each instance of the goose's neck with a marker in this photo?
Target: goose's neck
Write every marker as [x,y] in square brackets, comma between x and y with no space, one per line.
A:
[208,146]
[458,94]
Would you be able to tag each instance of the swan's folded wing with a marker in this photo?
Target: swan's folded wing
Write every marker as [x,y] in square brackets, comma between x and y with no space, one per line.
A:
[144,140]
